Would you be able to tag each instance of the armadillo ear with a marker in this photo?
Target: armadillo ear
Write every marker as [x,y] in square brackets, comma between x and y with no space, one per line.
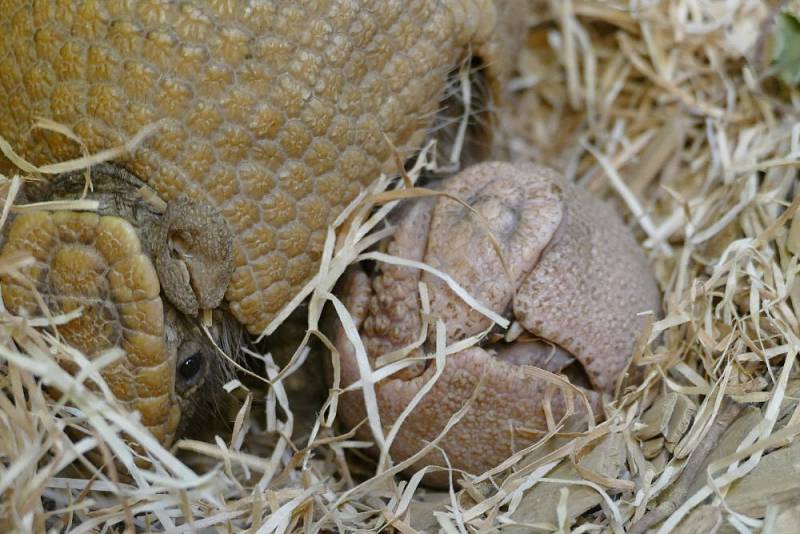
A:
[96,262]
[193,253]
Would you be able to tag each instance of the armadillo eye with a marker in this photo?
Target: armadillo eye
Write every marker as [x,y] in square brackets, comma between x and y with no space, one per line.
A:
[190,367]
[180,243]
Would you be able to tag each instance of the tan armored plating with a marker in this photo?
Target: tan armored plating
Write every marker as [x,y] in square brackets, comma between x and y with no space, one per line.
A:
[83,259]
[170,372]
[274,112]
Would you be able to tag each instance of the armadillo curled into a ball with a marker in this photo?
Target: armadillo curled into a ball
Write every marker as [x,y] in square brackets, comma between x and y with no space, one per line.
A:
[102,261]
[572,278]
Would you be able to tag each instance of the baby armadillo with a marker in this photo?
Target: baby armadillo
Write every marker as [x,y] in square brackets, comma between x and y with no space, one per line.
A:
[571,277]
[275,113]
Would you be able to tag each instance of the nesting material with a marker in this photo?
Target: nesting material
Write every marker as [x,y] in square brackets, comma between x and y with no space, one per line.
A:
[671,110]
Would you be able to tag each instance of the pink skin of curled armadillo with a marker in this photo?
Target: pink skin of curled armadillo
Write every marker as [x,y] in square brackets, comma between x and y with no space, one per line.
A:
[575,281]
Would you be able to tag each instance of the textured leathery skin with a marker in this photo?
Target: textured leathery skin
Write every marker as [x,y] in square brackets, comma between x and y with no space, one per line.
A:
[274,111]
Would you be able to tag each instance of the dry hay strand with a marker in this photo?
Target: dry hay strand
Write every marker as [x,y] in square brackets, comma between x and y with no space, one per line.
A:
[669,111]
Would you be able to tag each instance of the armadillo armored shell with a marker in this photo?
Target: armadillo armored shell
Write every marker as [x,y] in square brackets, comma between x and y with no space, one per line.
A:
[276,113]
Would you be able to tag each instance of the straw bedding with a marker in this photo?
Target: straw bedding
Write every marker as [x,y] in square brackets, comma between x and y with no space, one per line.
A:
[685,115]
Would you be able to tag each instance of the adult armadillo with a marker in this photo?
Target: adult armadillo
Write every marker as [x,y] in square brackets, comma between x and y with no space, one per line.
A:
[274,113]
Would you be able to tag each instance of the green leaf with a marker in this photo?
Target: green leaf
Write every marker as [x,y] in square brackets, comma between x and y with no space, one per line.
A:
[786,51]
